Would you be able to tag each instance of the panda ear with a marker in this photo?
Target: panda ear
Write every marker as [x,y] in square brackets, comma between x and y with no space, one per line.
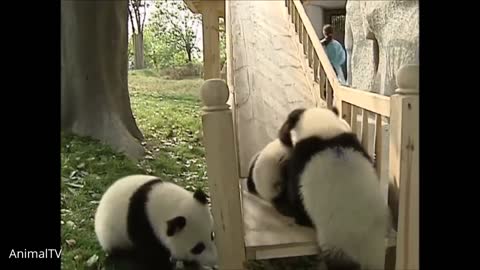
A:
[175,225]
[200,196]
[335,111]
[284,133]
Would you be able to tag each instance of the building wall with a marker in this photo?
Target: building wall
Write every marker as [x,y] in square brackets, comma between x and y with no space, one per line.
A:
[315,13]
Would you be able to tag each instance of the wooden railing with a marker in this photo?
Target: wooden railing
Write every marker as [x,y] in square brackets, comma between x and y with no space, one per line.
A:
[222,169]
[398,113]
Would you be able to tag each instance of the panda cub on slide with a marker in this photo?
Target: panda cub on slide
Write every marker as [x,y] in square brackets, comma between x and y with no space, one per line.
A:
[147,222]
[333,184]
[267,174]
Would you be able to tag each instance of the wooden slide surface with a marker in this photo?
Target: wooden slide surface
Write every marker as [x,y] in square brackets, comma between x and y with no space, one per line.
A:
[269,73]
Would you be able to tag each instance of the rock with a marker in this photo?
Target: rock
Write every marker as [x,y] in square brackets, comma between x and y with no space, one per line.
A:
[394,25]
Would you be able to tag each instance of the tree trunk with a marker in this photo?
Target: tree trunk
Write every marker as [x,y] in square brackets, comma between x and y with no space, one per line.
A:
[138,45]
[94,71]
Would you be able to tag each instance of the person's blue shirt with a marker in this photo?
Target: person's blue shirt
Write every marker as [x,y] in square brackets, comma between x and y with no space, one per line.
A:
[337,57]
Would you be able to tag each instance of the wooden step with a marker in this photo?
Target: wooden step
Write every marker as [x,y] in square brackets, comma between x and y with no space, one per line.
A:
[268,234]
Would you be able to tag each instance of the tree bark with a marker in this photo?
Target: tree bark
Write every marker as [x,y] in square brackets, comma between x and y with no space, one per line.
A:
[94,71]
[138,53]
[189,57]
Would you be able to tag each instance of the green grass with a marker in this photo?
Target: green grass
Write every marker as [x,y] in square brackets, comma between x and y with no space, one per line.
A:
[168,114]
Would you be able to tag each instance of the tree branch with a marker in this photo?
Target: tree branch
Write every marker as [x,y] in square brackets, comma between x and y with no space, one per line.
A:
[130,16]
[136,10]
[144,16]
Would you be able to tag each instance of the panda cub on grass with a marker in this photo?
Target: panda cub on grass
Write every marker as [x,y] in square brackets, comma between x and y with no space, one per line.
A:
[146,222]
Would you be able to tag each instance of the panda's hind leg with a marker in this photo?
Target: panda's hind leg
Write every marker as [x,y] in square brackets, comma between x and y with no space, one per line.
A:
[331,258]
[130,259]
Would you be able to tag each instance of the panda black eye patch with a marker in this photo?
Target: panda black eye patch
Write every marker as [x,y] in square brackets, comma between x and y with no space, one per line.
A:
[198,248]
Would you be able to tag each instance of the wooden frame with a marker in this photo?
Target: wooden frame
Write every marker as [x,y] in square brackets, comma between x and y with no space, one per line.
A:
[233,209]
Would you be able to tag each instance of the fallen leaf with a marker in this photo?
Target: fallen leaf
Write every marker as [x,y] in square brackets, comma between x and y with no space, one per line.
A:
[96,195]
[92,260]
[71,242]
[72,174]
[73,191]
[74,185]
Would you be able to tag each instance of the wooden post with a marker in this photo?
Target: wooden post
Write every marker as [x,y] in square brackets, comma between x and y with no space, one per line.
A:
[404,165]
[211,43]
[223,72]
[223,175]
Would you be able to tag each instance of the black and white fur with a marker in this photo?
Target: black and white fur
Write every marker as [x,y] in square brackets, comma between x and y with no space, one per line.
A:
[332,183]
[151,221]
[267,173]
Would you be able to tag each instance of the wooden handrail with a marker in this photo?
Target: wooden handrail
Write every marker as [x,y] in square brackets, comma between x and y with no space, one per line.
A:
[317,46]
[376,103]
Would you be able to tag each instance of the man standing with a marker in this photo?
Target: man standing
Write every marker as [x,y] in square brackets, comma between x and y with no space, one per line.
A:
[335,52]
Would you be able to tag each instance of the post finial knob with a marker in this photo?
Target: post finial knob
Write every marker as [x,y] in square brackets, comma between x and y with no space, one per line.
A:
[408,79]
[214,95]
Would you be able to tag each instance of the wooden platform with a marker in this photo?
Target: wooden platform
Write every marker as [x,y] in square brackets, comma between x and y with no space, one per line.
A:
[268,234]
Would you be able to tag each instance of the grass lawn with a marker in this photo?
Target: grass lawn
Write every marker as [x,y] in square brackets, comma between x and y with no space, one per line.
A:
[168,114]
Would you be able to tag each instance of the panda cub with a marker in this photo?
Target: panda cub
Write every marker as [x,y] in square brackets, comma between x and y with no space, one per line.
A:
[267,174]
[148,222]
[333,184]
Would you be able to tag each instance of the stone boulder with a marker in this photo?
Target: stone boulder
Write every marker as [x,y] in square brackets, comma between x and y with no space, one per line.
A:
[380,37]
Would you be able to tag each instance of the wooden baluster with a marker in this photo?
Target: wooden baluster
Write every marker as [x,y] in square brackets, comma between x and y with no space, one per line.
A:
[305,40]
[292,11]
[310,53]
[378,144]
[365,127]
[354,121]
[316,65]
[294,18]
[323,82]
[346,112]
[297,22]
[300,29]
[329,94]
